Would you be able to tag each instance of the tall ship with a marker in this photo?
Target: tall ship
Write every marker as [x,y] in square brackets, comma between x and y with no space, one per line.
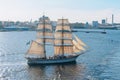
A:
[67,46]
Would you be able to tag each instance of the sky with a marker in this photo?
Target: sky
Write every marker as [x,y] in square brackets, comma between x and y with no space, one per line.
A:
[74,10]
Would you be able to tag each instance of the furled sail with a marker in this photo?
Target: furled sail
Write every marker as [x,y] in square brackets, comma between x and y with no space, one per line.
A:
[63,38]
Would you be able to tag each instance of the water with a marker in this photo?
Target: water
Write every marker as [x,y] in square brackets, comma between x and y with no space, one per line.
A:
[100,62]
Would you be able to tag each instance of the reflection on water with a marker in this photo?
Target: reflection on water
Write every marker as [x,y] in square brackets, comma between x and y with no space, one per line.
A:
[101,62]
[57,72]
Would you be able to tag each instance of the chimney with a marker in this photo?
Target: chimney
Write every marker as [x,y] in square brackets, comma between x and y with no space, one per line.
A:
[112,19]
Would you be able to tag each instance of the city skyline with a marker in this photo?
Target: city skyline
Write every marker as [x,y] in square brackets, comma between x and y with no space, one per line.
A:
[74,10]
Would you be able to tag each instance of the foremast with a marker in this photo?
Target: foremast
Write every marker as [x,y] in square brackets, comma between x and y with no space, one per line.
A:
[44,37]
[62,37]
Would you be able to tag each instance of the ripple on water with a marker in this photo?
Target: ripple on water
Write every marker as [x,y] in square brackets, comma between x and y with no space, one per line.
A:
[12,72]
[100,63]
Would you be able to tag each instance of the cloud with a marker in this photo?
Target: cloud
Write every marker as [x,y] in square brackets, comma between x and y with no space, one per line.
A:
[26,11]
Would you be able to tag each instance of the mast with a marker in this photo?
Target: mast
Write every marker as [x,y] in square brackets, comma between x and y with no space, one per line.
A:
[63,43]
[62,38]
[44,35]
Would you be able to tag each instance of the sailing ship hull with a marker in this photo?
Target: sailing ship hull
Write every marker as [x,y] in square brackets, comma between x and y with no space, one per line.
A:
[38,61]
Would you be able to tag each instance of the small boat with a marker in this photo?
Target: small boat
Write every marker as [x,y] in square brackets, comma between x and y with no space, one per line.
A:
[67,47]
[104,32]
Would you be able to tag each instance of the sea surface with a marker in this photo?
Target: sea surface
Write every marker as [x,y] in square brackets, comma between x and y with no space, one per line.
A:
[100,62]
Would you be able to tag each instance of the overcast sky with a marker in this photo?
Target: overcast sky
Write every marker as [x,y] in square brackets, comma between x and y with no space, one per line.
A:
[74,10]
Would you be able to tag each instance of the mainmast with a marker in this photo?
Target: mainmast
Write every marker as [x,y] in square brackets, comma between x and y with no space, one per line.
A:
[62,37]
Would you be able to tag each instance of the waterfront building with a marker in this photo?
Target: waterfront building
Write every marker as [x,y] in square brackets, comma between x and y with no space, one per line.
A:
[1,26]
[54,24]
[95,24]
[103,21]
[77,25]
[112,19]
[87,25]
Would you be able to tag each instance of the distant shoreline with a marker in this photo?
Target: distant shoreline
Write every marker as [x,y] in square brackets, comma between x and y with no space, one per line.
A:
[92,30]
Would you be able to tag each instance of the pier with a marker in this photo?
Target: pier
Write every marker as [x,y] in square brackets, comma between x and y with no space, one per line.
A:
[104,32]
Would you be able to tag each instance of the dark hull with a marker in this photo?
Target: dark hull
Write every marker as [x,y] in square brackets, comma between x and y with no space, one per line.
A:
[38,61]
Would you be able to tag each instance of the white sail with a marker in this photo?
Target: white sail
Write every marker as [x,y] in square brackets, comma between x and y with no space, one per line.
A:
[39,41]
[63,38]
[79,41]
[36,49]
[46,26]
[65,28]
[47,34]
[58,41]
[66,35]
[75,50]
[44,36]
[78,46]
[59,50]
[62,21]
